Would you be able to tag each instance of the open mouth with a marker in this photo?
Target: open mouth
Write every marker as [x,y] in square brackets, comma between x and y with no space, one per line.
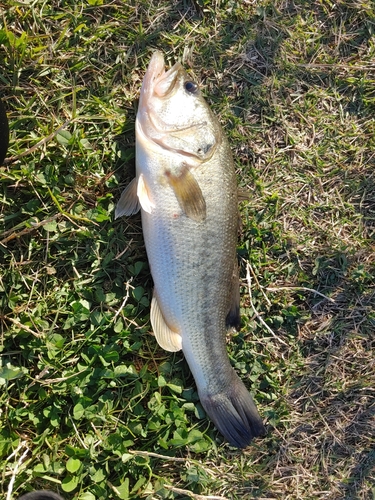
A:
[164,83]
[171,135]
[158,80]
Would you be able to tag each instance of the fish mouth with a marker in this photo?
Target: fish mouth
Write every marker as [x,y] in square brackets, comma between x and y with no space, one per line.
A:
[161,84]
[157,80]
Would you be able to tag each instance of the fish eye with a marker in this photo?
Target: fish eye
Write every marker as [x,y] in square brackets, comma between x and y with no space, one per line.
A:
[191,87]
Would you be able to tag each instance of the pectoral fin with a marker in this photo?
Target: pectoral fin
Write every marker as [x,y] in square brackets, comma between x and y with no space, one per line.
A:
[167,338]
[128,203]
[143,195]
[134,196]
[188,193]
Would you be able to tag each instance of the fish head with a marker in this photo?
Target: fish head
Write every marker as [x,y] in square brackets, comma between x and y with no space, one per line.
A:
[174,115]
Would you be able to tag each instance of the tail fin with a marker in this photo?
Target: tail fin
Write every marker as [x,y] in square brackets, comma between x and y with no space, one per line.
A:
[234,413]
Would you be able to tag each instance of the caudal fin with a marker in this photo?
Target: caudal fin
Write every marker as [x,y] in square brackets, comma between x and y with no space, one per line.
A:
[234,413]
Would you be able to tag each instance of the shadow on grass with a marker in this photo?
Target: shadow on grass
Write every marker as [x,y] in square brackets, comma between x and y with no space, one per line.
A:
[335,397]
[333,407]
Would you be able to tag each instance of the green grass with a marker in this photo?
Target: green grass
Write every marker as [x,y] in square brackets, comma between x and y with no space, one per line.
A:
[90,406]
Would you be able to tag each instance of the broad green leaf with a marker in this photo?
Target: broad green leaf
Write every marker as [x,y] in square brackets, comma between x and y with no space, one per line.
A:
[78,411]
[138,293]
[111,356]
[41,178]
[51,226]
[119,326]
[39,468]
[123,489]
[97,475]
[125,457]
[175,388]
[138,266]
[70,483]
[63,137]
[141,481]
[123,370]
[10,372]
[86,495]
[73,465]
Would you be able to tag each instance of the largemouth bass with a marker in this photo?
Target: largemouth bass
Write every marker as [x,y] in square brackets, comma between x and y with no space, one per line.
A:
[186,189]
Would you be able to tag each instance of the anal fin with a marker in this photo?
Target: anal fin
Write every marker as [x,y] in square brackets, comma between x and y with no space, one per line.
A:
[165,336]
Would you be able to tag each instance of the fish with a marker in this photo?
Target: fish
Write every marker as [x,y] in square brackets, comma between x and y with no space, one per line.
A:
[186,189]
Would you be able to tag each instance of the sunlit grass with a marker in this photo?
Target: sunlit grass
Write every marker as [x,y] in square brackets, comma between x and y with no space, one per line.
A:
[90,405]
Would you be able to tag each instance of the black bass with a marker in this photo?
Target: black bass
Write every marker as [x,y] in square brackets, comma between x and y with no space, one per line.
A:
[186,189]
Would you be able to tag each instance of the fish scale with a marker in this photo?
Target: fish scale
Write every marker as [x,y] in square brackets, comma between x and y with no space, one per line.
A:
[186,188]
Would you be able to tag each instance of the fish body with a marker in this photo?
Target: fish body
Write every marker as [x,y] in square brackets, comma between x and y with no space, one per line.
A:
[186,188]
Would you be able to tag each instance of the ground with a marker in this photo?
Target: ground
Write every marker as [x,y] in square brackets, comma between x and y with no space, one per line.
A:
[90,406]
